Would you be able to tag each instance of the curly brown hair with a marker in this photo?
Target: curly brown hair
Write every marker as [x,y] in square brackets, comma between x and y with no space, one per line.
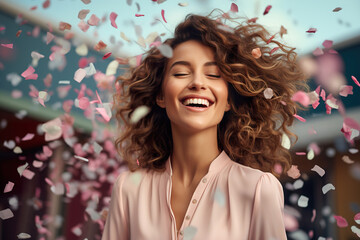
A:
[251,132]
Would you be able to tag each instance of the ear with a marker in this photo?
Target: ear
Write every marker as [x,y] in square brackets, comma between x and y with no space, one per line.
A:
[160,101]
[228,107]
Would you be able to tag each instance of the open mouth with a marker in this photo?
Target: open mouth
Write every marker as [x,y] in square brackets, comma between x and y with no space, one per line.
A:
[197,102]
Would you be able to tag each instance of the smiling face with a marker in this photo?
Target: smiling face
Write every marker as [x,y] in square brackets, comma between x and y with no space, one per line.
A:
[194,94]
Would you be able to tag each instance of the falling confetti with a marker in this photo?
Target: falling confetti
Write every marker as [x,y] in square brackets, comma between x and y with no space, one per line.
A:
[106,55]
[79,75]
[357,218]
[81,158]
[310,154]
[283,31]
[9,187]
[139,113]
[113,17]
[83,13]
[256,53]
[267,9]
[311,30]
[6,214]
[64,26]
[10,45]
[327,43]
[299,118]
[234,7]
[93,20]
[285,141]
[184,4]
[28,137]
[340,221]
[346,90]
[337,9]
[303,201]
[21,168]
[23,236]
[347,160]
[294,172]
[100,46]
[139,15]
[49,37]
[163,15]
[327,188]
[52,129]
[302,98]
[355,80]
[268,93]
[165,50]
[319,170]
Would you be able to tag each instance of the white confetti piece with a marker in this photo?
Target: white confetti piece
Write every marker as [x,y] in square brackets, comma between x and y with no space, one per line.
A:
[268,93]
[298,184]
[14,78]
[183,4]
[355,230]
[14,203]
[299,235]
[6,214]
[327,188]
[23,236]
[319,170]
[189,232]
[354,134]
[321,238]
[332,104]
[58,189]
[310,154]
[165,50]
[353,150]
[112,68]
[9,144]
[81,158]
[52,129]
[22,168]
[219,197]
[37,164]
[76,230]
[357,218]
[303,201]
[21,114]
[82,50]
[347,160]
[93,214]
[64,82]
[285,141]
[139,113]
[9,187]
[35,58]
[79,75]
[97,147]
[90,70]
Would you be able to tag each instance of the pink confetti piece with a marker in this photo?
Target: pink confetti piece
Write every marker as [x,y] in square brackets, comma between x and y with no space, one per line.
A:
[256,53]
[16,94]
[347,160]
[140,15]
[33,76]
[48,181]
[93,20]
[326,188]
[37,164]
[28,174]
[9,45]
[274,50]
[49,37]
[84,103]
[318,52]
[323,95]
[337,9]
[301,97]
[113,17]
[83,26]
[103,113]
[357,218]
[355,80]
[327,43]
[18,33]
[9,187]
[106,55]
[271,38]
[267,9]
[351,123]
[79,75]
[33,8]
[28,137]
[52,129]
[2,28]
[313,215]
[299,118]
[319,170]
[340,221]
[311,30]
[28,72]
[294,172]
[163,15]
[300,153]
[100,46]
[345,90]
[6,214]
[252,20]
[64,26]
[21,168]
[83,13]
[67,105]
[47,151]
[234,7]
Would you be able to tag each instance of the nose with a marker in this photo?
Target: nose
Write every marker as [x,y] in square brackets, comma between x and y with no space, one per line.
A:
[197,82]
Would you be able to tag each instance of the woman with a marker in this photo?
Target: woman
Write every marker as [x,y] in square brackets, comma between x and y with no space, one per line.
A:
[201,161]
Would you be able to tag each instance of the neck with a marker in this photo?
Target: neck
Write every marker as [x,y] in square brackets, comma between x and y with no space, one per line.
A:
[193,154]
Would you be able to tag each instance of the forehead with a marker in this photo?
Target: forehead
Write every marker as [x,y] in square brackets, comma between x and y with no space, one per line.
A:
[193,52]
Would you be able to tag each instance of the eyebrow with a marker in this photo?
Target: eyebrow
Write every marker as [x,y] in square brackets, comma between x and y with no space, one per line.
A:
[185,63]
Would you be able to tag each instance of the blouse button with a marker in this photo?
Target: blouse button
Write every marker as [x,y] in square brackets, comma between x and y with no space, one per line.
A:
[204,180]
[181,233]
[194,201]
[187,217]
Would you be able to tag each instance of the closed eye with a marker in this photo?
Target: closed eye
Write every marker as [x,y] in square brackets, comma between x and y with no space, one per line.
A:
[180,74]
[214,76]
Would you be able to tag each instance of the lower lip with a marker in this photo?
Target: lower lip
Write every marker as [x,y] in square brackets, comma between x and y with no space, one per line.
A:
[196,109]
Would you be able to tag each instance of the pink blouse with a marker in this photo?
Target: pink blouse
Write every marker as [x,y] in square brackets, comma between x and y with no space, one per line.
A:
[231,201]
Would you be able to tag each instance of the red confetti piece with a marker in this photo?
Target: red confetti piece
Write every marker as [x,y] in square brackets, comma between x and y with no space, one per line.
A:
[346,90]
[274,50]
[311,30]
[83,13]
[352,123]
[9,45]
[271,38]
[141,15]
[2,28]
[83,26]
[327,43]
[100,46]
[355,80]
[30,70]
[106,55]
[63,26]
[323,95]
[267,9]
[337,9]
[163,15]
[33,8]
[300,153]
[113,17]
[318,52]
[234,7]
[340,221]
[299,118]
[94,20]
[46,4]
[18,33]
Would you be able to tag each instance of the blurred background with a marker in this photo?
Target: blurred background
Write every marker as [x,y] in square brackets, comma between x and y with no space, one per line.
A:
[58,64]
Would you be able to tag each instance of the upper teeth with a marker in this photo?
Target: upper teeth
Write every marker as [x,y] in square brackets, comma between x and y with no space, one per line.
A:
[196,101]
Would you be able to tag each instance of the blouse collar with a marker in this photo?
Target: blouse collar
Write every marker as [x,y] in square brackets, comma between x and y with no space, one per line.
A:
[216,165]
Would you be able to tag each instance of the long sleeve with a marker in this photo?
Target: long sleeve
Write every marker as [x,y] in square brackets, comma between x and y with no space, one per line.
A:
[267,222]
[116,225]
